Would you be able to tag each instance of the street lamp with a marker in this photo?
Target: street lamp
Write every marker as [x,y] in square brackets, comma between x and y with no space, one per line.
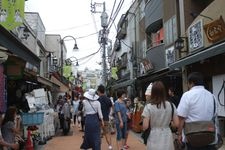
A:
[179,44]
[62,43]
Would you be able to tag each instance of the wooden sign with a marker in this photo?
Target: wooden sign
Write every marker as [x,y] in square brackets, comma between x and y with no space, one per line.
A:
[215,30]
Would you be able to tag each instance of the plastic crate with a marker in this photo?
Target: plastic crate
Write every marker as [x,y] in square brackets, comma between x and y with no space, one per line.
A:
[29,119]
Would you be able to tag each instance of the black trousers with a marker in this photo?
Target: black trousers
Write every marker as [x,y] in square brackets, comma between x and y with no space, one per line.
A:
[74,119]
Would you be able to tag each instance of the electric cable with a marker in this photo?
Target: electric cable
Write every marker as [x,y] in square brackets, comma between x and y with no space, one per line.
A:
[85,57]
[71,28]
[112,11]
[116,13]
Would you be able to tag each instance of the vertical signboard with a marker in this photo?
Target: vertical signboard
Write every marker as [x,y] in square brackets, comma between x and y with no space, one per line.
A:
[170,56]
[195,33]
[11,13]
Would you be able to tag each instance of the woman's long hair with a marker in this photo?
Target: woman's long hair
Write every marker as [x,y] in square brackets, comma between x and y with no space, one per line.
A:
[158,94]
[9,115]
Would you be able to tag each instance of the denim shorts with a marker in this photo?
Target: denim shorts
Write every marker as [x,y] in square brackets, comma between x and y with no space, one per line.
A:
[121,132]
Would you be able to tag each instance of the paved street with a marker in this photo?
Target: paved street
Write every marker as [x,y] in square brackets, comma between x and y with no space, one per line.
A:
[74,140]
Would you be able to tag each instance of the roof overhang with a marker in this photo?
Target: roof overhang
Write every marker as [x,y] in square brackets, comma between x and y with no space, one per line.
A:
[46,81]
[12,43]
[123,84]
[204,54]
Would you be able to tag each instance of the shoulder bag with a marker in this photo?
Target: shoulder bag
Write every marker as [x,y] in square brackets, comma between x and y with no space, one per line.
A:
[200,133]
[94,110]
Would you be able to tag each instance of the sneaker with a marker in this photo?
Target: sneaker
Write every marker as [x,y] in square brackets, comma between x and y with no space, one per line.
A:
[110,147]
[126,146]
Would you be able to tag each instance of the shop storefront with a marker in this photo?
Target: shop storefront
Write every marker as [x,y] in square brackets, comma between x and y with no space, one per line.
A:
[15,59]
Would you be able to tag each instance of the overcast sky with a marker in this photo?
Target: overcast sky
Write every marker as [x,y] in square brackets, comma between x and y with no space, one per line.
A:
[73,17]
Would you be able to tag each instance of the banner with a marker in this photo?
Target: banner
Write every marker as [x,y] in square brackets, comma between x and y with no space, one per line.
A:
[67,71]
[11,13]
[114,71]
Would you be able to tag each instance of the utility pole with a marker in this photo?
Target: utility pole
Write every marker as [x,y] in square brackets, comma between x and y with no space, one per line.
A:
[103,38]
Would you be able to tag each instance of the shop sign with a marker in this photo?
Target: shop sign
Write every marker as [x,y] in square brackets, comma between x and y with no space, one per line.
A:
[170,56]
[215,30]
[147,65]
[195,33]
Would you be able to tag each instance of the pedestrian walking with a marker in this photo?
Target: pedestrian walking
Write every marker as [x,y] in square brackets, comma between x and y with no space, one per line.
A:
[129,121]
[120,119]
[81,114]
[75,103]
[66,111]
[59,106]
[197,104]
[93,119]
[106,106]
[157,115]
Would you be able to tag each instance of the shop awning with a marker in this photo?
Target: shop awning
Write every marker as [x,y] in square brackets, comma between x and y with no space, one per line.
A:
[123,84]
[204,54]
[46,81]
[152,76]
[10,42]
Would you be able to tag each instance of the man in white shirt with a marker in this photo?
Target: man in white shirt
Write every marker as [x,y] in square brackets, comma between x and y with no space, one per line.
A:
[197,104]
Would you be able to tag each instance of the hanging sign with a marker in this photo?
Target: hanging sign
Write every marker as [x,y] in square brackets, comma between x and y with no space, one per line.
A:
[215,30]
[11,13]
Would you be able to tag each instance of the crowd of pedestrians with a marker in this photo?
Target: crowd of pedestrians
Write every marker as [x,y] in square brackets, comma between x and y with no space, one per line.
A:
[99,116]
[195,105]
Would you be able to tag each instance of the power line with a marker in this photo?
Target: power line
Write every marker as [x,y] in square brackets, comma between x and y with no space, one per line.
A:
[71,28]
[85,57]
[116,13]
[112,11]
[81,37]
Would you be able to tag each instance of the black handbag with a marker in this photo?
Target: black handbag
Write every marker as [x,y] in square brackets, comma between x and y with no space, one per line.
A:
[145,135]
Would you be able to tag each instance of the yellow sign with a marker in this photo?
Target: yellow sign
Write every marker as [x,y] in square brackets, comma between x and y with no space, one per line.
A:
[67,71]
[113,73]
[11,13]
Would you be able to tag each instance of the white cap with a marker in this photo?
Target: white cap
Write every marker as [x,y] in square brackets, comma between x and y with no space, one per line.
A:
[149,89]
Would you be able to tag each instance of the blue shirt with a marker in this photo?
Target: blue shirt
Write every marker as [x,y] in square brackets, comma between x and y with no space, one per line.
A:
[120,107]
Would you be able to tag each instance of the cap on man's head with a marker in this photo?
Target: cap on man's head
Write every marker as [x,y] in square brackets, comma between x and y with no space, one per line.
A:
[149,89]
